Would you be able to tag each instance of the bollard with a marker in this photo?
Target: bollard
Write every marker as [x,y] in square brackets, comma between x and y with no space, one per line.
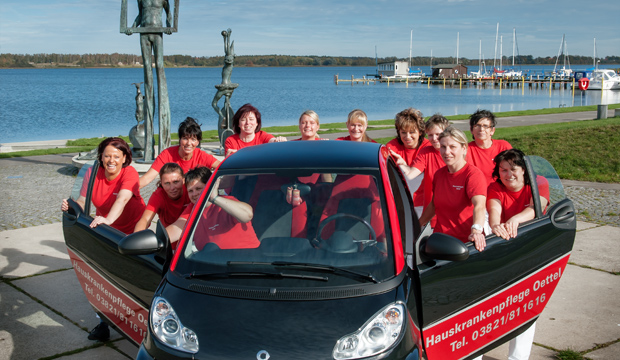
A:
[601,112]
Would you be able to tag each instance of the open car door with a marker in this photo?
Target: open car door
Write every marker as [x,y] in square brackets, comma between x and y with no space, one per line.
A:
[473,304]
[120,287]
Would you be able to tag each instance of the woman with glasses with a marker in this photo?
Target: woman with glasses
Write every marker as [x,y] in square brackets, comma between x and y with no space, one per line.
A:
[483,149]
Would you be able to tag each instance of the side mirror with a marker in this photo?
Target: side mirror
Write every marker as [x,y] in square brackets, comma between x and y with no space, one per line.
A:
[140,243]
[440,246]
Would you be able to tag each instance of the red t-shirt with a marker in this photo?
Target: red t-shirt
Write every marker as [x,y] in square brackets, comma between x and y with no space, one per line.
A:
[427,161]
[409,155]
[348,138]
[453,193]
[354,187]
[483,158]
[234,141]
[217,226]
[513,202]
[167,209]
[171,155]
[105,193]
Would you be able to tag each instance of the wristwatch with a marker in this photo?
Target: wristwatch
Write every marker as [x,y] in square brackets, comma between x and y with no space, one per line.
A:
[476,227]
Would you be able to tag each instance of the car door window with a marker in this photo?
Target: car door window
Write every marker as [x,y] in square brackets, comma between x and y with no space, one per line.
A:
[542,168]
[80,188]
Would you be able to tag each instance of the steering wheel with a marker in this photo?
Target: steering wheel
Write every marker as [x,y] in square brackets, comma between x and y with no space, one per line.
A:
[366,242]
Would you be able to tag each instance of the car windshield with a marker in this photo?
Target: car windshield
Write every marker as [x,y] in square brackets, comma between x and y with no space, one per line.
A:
[326,228]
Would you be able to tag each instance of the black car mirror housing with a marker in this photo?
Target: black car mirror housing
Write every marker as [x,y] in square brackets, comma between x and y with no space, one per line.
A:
[440,246]
[140,243]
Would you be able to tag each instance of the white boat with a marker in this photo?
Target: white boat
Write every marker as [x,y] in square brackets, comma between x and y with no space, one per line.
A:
[605,79]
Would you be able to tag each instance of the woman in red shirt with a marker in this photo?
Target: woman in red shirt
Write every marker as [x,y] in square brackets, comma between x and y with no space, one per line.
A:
[428,160]
[459,192]
[187,154]
[246,126]
[510,202]
[309,125]
[409,140]
[509,198]
[169,200]
[115,193]
[357,123]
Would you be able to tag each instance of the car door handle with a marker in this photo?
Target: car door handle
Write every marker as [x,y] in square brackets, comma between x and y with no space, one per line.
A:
[564,217]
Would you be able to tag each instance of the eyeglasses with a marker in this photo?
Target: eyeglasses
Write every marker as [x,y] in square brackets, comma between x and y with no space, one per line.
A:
[483,127]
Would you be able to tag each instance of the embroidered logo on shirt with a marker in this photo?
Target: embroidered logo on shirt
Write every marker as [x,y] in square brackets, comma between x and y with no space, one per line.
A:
[458,187]
[213,227]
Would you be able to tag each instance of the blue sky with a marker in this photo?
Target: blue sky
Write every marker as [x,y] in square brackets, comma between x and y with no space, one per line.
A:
[323,27]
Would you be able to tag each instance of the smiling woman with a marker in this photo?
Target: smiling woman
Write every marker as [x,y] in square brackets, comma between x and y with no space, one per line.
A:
[115,192]
[187,154]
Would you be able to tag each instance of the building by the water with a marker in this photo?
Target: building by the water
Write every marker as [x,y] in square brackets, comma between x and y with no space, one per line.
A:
[450,71]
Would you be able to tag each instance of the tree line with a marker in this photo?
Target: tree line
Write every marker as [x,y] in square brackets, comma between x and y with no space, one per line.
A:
[127,60]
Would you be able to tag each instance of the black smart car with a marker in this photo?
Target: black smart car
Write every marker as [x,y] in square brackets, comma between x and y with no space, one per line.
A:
[333,265]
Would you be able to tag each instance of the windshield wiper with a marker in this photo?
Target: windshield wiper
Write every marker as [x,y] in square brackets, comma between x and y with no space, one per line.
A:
[310,266]
[249,274]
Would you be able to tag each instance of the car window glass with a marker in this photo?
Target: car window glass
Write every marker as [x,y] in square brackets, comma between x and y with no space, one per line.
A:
[327,218]
[547,180]
[80,185]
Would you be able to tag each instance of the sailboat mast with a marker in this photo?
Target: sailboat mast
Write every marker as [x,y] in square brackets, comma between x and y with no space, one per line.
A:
[495,55]
[410,46]
[457,48]
[514,41]
[501,51]
[594,57]
[480,55]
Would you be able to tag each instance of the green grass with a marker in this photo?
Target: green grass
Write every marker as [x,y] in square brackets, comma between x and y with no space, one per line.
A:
[46,151]
[579,150]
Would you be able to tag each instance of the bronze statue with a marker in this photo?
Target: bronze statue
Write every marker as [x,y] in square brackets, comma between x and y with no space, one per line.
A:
[149,24]
[137,134]
[226,88]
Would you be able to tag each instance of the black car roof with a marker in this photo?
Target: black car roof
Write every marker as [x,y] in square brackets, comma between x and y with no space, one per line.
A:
[306,154]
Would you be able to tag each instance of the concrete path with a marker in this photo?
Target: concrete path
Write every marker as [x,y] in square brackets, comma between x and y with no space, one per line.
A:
[44,312]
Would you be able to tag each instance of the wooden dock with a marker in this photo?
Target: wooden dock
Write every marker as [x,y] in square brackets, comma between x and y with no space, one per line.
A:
[549,83]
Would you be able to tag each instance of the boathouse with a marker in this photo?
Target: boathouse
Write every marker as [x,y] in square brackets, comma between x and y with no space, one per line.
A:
[393,68]
[449,71]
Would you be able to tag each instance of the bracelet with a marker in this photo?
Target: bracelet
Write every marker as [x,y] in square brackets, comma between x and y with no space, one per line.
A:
[215,198]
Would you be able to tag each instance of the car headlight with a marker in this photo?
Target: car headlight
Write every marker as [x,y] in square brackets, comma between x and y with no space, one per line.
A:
[379,334]
[168,328]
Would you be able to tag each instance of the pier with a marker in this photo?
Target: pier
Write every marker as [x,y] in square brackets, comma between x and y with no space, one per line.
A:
[537,83]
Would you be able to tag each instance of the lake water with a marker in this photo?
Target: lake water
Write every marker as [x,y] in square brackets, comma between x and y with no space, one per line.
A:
[51,104]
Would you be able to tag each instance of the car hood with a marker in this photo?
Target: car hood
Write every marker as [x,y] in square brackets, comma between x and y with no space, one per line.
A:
[233,328]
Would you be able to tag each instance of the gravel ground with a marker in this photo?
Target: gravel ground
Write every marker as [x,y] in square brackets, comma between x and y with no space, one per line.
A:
[32,188]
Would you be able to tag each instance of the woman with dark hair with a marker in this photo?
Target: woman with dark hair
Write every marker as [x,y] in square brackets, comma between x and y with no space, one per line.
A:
[459,193]
[509,203]
[509,198]
[187,154]
[247,132]
[483,149]
[115,192]
[169,199]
